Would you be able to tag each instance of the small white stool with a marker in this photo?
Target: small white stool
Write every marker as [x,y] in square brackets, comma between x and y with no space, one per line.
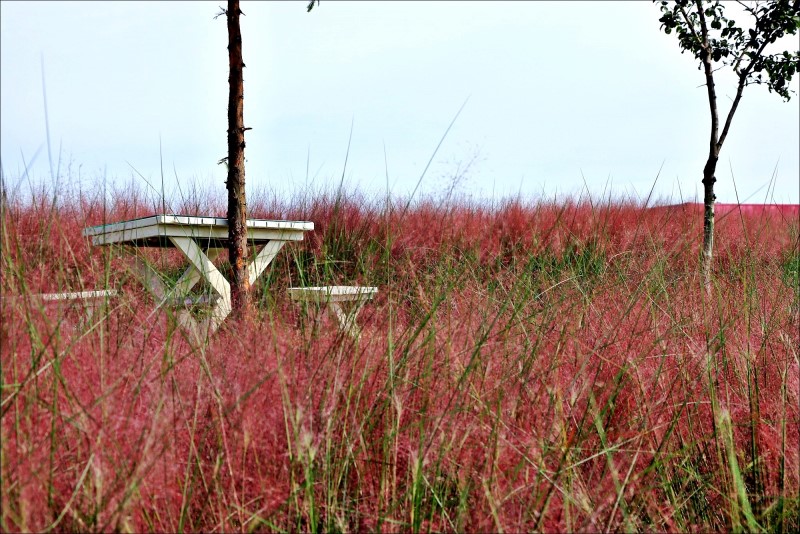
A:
[335,297]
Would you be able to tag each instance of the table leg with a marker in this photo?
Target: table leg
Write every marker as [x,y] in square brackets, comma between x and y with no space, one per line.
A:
[191,275]
[254,268]
[201,267]
[152,282]
[149,278]
[209,271]
[263,259]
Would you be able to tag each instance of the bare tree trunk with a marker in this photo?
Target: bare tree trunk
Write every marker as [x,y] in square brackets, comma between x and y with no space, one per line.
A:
[708,216]
[237,203]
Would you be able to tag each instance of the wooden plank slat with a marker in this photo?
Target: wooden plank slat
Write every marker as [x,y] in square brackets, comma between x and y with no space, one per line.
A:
[332,293]
[213,224]
[78,295]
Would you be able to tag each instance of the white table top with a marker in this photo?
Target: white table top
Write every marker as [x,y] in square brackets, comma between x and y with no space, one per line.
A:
[208,232]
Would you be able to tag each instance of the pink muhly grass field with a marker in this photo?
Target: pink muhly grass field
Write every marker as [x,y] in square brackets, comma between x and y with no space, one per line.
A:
[530,366]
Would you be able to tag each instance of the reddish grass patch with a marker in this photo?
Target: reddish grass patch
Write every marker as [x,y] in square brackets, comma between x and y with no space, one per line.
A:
[529,367]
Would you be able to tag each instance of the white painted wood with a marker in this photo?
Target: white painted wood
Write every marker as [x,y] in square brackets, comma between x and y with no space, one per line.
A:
[332,293]
[187,220]
[192,236]
[79,295]
[153,283]
[347,319]
[122,236]
[150,279]
[203,265]
[175,302]
[148,236]
[263,259]
[259,231]
[335,299]
[191,275]
[89,300]
[209,271]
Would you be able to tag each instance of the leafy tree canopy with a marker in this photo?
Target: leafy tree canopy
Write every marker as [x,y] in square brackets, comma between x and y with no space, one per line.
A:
[704,30]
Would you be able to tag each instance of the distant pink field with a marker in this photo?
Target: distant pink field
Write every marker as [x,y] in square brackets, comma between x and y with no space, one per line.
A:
[785,210]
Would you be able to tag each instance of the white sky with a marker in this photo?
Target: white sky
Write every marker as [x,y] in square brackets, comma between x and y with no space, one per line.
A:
[555,89]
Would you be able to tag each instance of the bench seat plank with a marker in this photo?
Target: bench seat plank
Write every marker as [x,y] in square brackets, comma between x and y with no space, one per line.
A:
[78,295]
[334,298]
[332,293]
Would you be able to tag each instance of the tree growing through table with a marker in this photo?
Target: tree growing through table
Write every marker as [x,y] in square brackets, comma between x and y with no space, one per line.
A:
[235,183]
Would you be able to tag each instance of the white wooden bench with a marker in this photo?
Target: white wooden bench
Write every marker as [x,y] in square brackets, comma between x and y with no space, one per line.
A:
[85,296]
[90,300]
[344,301]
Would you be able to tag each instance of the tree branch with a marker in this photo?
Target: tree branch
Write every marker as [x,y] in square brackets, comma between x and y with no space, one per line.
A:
[709,73]
[752,42]
[743,79]
[729,118]
[739,89]
[748,9]
[691,28]
[703,27]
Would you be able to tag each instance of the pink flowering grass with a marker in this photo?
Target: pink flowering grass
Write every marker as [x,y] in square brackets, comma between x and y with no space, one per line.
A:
[529,366]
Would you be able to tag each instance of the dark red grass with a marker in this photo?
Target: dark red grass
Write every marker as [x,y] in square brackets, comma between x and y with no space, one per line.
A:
[528,367]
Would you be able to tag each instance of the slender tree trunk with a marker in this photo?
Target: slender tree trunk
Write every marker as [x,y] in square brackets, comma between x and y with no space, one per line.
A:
[708,216]
[714,146]
[237,203]
[716,139]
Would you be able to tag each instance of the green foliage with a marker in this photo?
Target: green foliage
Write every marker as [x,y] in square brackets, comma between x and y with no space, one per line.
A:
[581,261]
[704,30]
[791,271]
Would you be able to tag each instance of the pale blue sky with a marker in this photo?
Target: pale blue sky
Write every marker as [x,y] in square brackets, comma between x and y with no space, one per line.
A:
[555,89]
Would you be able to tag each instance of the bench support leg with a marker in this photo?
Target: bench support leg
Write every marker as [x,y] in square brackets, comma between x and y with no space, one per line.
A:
[347,318]
[152,282]
[201,268]
[263,259]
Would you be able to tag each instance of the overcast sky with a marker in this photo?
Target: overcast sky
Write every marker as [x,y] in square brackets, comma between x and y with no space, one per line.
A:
[559,93]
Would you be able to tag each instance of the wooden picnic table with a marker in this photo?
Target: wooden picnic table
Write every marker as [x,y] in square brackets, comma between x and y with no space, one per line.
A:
[200,240]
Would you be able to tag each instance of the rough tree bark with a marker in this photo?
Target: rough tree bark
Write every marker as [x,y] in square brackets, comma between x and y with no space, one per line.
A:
[237,203]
